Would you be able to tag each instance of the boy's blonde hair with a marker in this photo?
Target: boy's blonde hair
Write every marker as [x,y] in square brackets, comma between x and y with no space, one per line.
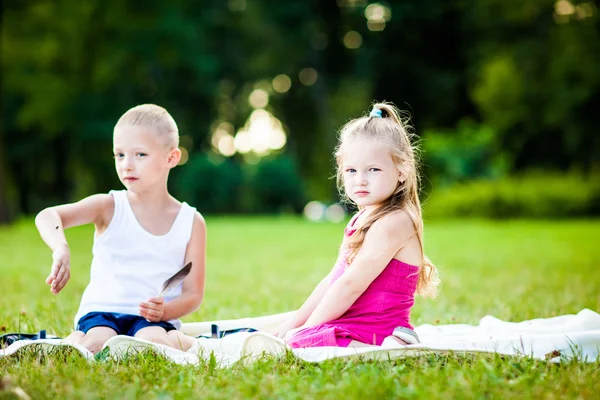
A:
[385,124]
[153,117]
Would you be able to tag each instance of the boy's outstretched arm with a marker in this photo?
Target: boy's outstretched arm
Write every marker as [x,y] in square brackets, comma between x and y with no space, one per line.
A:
[51,223]
[192,292]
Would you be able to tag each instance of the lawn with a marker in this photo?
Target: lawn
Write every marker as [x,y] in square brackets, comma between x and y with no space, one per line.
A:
[514,270]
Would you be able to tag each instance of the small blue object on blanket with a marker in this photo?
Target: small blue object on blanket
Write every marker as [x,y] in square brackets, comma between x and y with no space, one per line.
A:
[217,333]
[9,338]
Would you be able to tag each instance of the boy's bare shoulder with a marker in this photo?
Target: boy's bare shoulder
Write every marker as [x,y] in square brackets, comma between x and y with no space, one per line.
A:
[106,205]
[199,219]
[104,199]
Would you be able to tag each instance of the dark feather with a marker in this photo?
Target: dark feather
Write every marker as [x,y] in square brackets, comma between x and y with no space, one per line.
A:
[176,279]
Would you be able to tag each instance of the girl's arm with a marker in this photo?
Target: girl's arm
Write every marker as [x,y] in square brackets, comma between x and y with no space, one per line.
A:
[299,317]
[192,292]
[382,242]
[51,223]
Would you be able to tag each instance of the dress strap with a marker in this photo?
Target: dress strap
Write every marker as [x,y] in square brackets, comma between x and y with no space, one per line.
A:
[356,216]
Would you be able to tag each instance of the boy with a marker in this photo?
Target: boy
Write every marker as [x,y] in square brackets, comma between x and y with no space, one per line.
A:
[142,236]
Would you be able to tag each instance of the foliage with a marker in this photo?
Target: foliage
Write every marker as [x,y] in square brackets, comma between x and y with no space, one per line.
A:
[513,270]
[527,72]
[278,186]
[214,184]
[531,196]
[467,153]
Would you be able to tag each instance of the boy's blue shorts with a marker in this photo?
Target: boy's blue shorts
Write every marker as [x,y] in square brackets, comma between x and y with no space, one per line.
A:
[123,324]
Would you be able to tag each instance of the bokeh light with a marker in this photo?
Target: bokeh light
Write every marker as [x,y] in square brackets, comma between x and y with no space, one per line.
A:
[564,7]
[352,40]
[185,155]
[377,15]
[314,210]
[335,213]
[282,83]
[259,98]
[308,76]
[222,139]
[226,145]
[261,134]
[585,10]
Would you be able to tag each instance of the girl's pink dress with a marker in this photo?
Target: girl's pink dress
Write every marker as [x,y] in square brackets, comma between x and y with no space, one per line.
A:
[383,306]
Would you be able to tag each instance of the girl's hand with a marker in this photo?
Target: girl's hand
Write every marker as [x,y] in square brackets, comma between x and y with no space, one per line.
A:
[61,269]
[283,328]
[292,332]
[287,329]
[153,309]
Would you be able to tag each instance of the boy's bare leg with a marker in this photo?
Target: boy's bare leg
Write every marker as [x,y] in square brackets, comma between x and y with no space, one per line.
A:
[75,337]
[155,334]
[94,339]
[180,340]
[173,338]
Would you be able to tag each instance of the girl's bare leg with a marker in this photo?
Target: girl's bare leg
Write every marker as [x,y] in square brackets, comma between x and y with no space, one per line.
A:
[356,343]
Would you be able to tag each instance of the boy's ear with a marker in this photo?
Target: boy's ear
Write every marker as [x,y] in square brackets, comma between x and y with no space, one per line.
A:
[174,158]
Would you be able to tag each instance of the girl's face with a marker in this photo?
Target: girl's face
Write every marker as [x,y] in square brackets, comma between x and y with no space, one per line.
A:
[369,173]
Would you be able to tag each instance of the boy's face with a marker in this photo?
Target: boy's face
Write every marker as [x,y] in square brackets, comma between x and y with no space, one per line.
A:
[142,160]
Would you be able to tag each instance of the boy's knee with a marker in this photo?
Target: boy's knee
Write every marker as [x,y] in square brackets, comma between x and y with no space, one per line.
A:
[154,337]
[173,335]
[75,337]
[96,337]
[93,344]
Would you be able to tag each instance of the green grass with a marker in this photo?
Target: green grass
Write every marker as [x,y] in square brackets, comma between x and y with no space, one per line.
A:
[514,270]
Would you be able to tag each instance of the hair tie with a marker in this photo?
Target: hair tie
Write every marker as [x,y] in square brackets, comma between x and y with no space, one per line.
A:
[375,113]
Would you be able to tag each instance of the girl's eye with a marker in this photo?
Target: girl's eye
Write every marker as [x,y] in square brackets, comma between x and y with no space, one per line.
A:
[375,169]
[119,155]
[351,170]
[142,154]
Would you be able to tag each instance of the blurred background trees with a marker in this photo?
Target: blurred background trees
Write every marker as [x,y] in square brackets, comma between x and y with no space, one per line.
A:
[496,89]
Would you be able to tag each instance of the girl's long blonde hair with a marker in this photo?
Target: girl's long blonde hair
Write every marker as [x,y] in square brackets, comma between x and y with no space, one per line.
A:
[397,134]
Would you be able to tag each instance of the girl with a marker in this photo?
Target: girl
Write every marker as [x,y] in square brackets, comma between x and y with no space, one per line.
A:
[381,263]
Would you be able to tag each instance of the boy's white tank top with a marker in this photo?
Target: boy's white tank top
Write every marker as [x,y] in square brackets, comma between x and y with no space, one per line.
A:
[130,264]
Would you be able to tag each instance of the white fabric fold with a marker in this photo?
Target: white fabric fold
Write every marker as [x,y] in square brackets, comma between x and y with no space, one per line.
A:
[565,337]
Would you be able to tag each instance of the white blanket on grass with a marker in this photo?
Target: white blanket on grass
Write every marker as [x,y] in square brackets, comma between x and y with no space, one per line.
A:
[559,338]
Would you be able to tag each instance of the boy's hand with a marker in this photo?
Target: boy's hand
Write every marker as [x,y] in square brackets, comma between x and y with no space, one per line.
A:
[61,269]
[153,309]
